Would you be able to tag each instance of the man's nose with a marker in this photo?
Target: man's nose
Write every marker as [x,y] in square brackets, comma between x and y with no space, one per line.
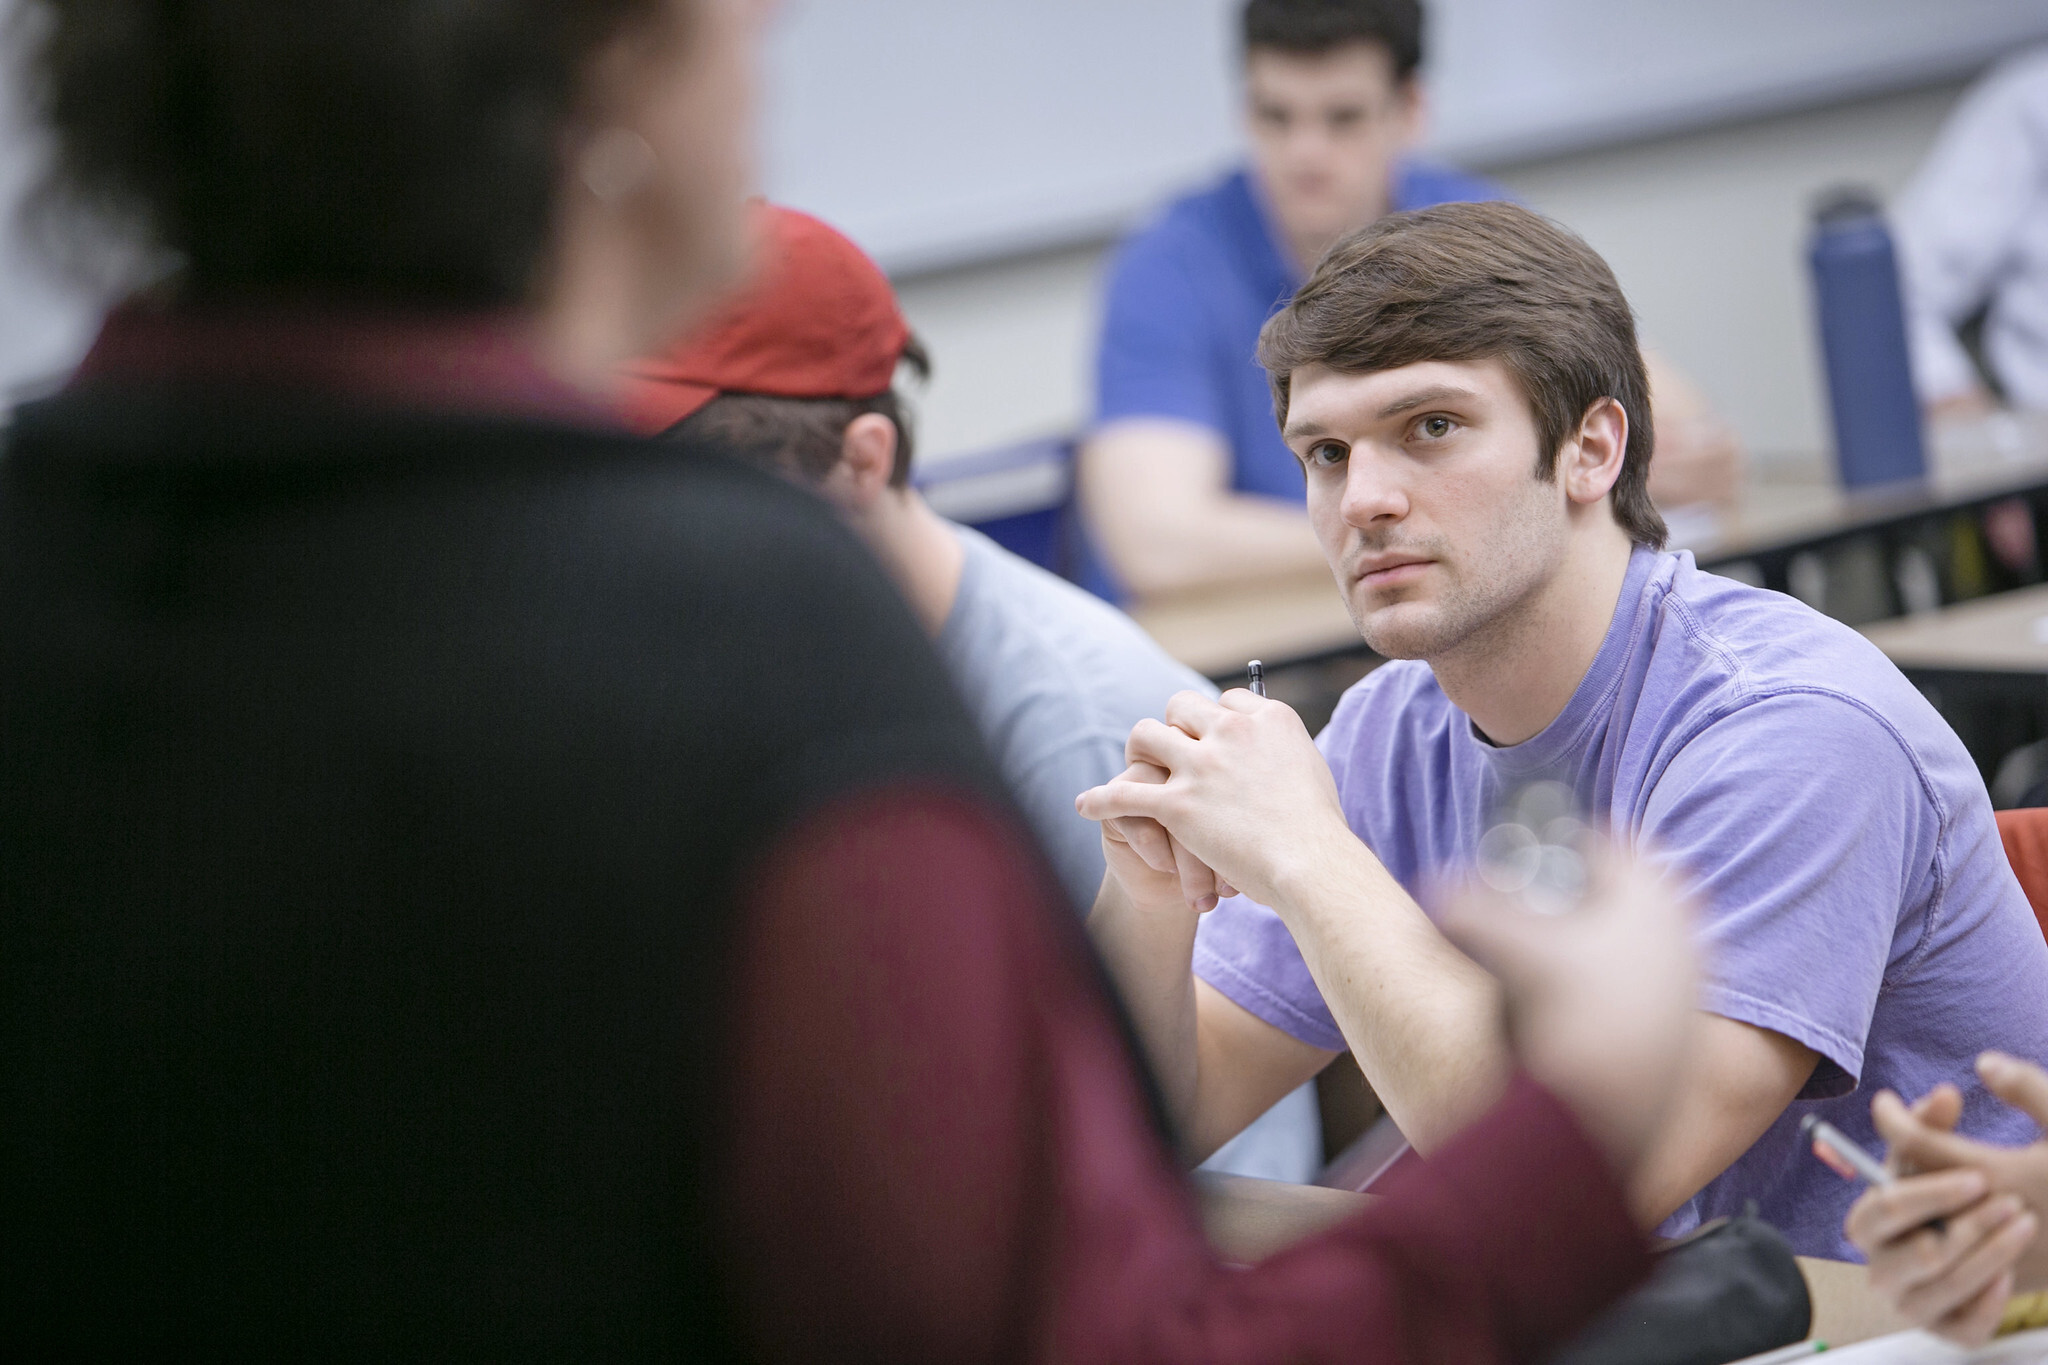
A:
[1372,493]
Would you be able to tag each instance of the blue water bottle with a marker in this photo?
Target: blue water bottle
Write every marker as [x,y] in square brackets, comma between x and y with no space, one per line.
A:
[1863,340]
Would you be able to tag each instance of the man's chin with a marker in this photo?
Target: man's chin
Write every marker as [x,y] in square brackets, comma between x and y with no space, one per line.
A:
[1408,630]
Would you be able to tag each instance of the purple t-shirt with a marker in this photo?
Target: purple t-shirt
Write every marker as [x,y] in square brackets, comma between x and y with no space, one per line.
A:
[1855,894]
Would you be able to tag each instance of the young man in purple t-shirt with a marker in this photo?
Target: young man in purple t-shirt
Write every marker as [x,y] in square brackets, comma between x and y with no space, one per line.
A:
[1465,393]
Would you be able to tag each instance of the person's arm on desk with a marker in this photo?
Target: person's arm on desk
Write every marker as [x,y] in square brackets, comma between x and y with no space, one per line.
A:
[1741,1079]
[1249,795]
[1239,786]
[1158,497]
[1218,1065]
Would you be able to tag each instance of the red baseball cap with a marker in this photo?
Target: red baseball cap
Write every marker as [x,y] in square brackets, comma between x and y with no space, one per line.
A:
[817,319]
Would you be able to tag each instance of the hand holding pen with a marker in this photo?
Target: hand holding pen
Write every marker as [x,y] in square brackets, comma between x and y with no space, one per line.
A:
[1954,1231]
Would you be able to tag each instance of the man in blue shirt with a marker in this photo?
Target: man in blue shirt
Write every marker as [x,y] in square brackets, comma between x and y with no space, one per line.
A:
[1185,478]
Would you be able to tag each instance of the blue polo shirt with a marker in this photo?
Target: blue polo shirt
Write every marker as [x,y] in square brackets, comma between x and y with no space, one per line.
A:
[1187,297]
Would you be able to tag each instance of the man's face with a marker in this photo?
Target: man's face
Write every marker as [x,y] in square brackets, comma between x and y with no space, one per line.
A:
[1423,490]
[1326,129]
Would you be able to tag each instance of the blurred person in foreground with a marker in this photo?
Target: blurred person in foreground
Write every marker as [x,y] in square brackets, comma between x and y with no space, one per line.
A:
[1461,386]
[1952,1240]
[1185,480]
[481,884]
[796,375]
[1973,244]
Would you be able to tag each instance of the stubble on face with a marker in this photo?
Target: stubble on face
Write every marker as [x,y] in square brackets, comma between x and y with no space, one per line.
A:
[1475,595]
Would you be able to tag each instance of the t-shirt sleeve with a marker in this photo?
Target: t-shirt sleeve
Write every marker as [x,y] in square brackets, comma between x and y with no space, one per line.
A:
[1152,361]
[1244,950]
[1803,825]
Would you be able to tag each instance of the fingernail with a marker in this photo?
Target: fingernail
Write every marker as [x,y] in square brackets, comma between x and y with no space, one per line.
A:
[1994,1066]
[1208,904]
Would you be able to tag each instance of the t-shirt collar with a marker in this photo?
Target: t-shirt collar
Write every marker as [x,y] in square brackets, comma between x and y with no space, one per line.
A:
[1549,749]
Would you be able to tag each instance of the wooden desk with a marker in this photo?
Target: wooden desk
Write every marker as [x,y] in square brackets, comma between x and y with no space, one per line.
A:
[1984,666]
[2007,633]
[1281,621]
[1788,505]
[1248,1220]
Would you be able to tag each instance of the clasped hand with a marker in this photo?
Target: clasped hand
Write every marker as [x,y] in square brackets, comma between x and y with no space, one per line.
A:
[1225,795]
[1953,1276]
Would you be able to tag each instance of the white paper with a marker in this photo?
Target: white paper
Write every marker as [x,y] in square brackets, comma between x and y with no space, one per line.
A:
[1918,1348]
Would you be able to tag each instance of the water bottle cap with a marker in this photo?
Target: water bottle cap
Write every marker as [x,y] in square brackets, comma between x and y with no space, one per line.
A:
[1846,204]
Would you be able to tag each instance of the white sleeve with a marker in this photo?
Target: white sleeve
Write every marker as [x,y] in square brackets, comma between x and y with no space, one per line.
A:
[1960,220]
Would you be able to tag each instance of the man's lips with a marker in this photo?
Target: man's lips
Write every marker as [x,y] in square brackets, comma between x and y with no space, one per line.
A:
[1378,573]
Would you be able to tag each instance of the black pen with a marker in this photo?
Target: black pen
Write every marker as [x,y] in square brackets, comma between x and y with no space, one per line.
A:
[1256,672]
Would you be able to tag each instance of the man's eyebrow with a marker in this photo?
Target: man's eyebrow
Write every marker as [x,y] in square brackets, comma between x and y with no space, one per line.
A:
[1441,393]
[1407,402]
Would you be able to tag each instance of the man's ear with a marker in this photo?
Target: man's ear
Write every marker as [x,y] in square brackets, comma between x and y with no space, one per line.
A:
[867,457]
[1591,461]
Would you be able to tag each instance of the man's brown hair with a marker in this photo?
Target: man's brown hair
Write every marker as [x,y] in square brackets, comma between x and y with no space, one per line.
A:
[801,438]
[1313,27]
[1481,282]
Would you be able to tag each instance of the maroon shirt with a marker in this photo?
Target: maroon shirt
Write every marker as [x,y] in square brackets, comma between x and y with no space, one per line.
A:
[939,1150]
[930,1140]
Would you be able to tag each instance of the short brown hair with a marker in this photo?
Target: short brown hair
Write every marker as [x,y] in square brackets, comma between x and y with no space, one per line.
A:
[1481,282]
[1313,27]
[802,438]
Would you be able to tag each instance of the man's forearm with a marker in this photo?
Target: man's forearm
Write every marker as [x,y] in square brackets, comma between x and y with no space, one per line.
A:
[1150,955]
[1222,539]
[1423,1020]
[1158,496]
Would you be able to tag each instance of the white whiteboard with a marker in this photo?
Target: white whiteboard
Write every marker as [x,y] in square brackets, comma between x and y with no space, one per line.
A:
[944,131]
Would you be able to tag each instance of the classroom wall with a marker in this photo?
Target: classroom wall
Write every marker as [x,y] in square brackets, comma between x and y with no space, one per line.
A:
[1705,231]
[944,132]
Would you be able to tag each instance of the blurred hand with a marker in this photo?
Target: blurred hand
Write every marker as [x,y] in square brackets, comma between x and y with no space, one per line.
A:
[1698,459]
[1602,1000]
[1955,1279]
[1970,405]
[1246,793]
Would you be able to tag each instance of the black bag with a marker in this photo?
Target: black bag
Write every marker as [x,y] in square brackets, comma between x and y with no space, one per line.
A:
[1729,1290]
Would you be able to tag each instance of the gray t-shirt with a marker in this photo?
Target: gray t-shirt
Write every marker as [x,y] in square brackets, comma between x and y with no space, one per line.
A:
[1055,678]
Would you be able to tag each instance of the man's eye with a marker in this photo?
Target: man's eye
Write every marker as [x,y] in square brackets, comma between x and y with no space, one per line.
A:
[1436,428]
[1326,453]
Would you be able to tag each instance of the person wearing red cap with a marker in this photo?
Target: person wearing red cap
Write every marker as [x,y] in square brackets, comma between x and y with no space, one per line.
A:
[478,886]
[794,374]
